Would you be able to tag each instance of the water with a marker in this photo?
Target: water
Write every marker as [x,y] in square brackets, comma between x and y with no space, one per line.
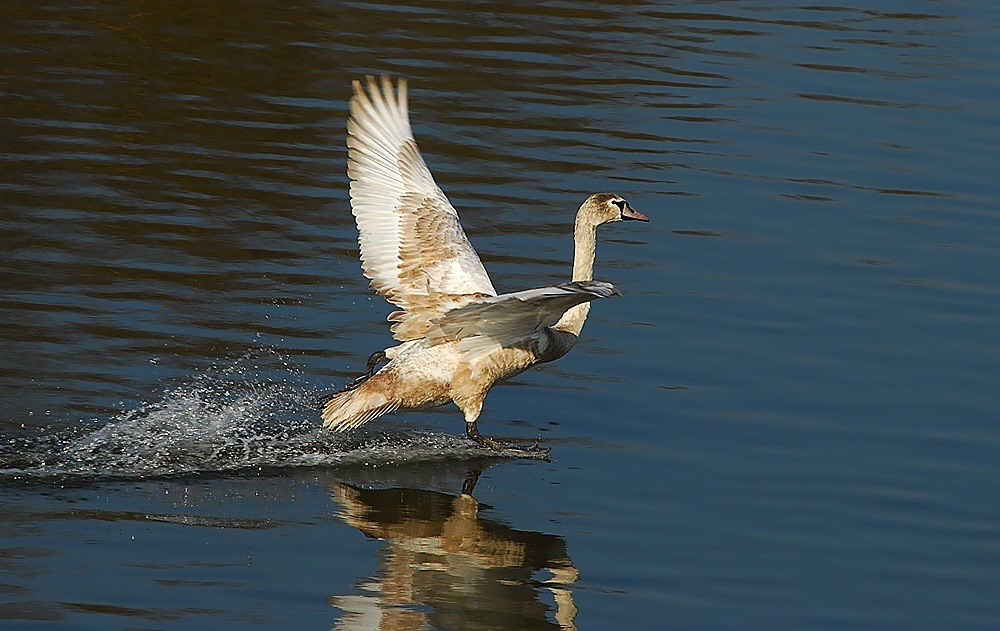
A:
[789,420]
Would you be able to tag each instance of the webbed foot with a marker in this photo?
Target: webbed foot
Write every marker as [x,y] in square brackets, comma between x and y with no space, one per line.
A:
[508,451]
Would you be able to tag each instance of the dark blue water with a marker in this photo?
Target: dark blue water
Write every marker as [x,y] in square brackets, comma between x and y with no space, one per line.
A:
[789,420]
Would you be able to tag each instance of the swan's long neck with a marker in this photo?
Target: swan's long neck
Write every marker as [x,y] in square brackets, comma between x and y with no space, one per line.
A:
[585,242]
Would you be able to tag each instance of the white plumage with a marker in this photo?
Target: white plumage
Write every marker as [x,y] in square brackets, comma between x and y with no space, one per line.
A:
[412,244]
[458,336]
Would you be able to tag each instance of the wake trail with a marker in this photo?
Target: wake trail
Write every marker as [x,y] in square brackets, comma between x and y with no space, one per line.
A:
[229,420]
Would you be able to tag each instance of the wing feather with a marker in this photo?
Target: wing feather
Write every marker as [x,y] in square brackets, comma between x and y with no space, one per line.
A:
[500,321]
[413,247]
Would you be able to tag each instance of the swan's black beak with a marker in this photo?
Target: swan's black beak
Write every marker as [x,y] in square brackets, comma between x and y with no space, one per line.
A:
[629,213]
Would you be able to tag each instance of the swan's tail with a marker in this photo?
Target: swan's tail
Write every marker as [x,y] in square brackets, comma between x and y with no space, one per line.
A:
[351,408]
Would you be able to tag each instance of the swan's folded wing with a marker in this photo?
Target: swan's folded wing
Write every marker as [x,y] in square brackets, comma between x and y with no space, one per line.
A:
[413,247]
[503,320]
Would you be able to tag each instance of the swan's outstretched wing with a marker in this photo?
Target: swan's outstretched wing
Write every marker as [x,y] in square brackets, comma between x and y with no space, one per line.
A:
[413,247]
[503,320]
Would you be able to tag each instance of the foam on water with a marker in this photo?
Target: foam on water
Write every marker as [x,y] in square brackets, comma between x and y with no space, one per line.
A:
[228,420]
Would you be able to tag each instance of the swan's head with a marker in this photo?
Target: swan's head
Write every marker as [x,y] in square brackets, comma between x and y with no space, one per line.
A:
[607,207]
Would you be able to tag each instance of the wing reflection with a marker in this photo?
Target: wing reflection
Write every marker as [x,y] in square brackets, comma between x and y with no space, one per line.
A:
[448,567]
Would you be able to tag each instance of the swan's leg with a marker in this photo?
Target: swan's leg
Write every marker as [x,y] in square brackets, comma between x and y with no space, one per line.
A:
[472,432]
[373,362]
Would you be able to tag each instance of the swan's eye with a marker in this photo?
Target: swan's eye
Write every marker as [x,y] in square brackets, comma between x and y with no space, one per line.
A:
[620,203]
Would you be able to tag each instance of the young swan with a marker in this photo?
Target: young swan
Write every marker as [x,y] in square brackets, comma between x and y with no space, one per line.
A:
[458,337]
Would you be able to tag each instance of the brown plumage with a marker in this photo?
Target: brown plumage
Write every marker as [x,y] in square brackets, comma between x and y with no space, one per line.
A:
[458,337]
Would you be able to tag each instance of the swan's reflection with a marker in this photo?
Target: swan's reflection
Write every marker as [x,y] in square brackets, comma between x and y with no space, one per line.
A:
[448,567]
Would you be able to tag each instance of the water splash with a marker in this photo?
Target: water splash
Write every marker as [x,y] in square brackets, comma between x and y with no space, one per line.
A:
[231,420]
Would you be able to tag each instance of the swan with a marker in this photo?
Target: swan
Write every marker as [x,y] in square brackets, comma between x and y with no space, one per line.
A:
[457,336]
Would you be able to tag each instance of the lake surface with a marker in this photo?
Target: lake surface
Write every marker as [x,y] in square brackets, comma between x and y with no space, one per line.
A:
[791,419]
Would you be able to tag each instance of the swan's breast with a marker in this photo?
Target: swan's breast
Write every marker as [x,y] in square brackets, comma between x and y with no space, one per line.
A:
[507,362]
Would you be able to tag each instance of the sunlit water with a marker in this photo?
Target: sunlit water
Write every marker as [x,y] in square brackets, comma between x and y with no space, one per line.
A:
[789,420]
